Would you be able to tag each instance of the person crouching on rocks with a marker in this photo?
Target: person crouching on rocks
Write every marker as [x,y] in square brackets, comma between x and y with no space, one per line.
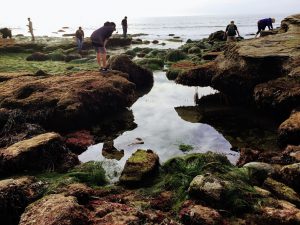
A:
[79,38]
[263,23]
[99,39]
[231,31]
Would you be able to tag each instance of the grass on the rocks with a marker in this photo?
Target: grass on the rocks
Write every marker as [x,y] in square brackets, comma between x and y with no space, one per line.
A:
[177,173]
[90,173]
[16,62]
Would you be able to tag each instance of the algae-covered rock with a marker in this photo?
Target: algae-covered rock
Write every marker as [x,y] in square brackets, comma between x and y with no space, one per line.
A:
[282,191]
[217,36]
[179,67]
[71,57]
[37,56]
[79,141]
[259,171]
[138,75]
[139,167]
[198,76]
[282,94]
[15,195]
[55,101]
[207,187]
[151,63]
[42,152]
[55,209]
[130,53]
[289,130]
[211,55]
[175,55]
[194,50]
[290,174]
[198,214]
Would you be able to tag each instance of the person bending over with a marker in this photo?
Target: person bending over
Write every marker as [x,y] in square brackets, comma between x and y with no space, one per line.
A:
[99,39]
[263,23]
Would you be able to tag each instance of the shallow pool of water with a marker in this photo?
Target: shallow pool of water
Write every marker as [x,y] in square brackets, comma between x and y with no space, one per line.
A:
[162,129]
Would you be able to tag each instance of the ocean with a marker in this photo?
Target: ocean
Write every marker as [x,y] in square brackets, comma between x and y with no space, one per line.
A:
[156,28]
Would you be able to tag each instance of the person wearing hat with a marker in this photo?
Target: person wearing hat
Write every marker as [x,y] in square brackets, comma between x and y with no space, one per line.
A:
[263,23]
[124,26]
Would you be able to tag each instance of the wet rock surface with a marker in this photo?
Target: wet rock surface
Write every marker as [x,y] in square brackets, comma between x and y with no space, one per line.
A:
[15,195]
[55,209]
[42,152]
[139,167]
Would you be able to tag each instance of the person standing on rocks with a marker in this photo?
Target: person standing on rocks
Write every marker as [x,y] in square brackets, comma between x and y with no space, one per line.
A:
[124,26]
[99,39]
[231,31]
[79,38]
[30,29]
[263,23]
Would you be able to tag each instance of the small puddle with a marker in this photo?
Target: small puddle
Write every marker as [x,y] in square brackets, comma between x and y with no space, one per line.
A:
[161,128]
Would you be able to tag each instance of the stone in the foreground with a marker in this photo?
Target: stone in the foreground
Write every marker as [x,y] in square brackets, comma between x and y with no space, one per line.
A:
[53,210]
[15,195]
[139,167]
[198,214]
[289,130]
[45,151]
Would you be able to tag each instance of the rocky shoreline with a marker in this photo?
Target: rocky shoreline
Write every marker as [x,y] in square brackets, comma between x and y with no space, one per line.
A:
[45,121]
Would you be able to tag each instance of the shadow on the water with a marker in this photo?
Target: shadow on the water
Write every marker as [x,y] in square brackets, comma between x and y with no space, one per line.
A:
[241,125]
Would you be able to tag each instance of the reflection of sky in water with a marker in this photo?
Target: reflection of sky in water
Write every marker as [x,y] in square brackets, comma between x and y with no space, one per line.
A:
[161,129]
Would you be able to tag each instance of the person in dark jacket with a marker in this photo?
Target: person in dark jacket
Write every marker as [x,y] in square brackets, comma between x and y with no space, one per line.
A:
[79,38]
[231,31]
[124,26]
[99,39]
[263,23]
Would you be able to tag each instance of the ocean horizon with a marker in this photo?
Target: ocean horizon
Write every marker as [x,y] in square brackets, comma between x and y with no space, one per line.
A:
[186,27]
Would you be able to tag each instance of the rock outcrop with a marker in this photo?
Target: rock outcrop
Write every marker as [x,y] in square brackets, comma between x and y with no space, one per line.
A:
[249,63]
[140,76]
[45,151]
[61,100]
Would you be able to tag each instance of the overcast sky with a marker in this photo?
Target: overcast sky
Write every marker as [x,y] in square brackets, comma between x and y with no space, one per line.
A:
[85,11]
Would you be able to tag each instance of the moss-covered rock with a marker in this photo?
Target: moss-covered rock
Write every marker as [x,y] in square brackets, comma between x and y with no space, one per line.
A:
[179,67]
[290,174]
[130,53]
[140,76]
[175,55]
[259,171]
[151,63]
[37,56]
[139,167]
[282,191]
[194,50]
[235,190]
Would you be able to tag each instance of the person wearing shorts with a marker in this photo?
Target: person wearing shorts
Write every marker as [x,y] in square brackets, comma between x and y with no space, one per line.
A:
[99,39]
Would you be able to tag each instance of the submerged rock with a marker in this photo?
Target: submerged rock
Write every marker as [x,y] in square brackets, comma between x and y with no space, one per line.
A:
[139,167]
[15,195]
[55,209]
[42,152]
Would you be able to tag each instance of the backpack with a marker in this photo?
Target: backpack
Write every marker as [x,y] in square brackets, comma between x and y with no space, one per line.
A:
[231,30]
